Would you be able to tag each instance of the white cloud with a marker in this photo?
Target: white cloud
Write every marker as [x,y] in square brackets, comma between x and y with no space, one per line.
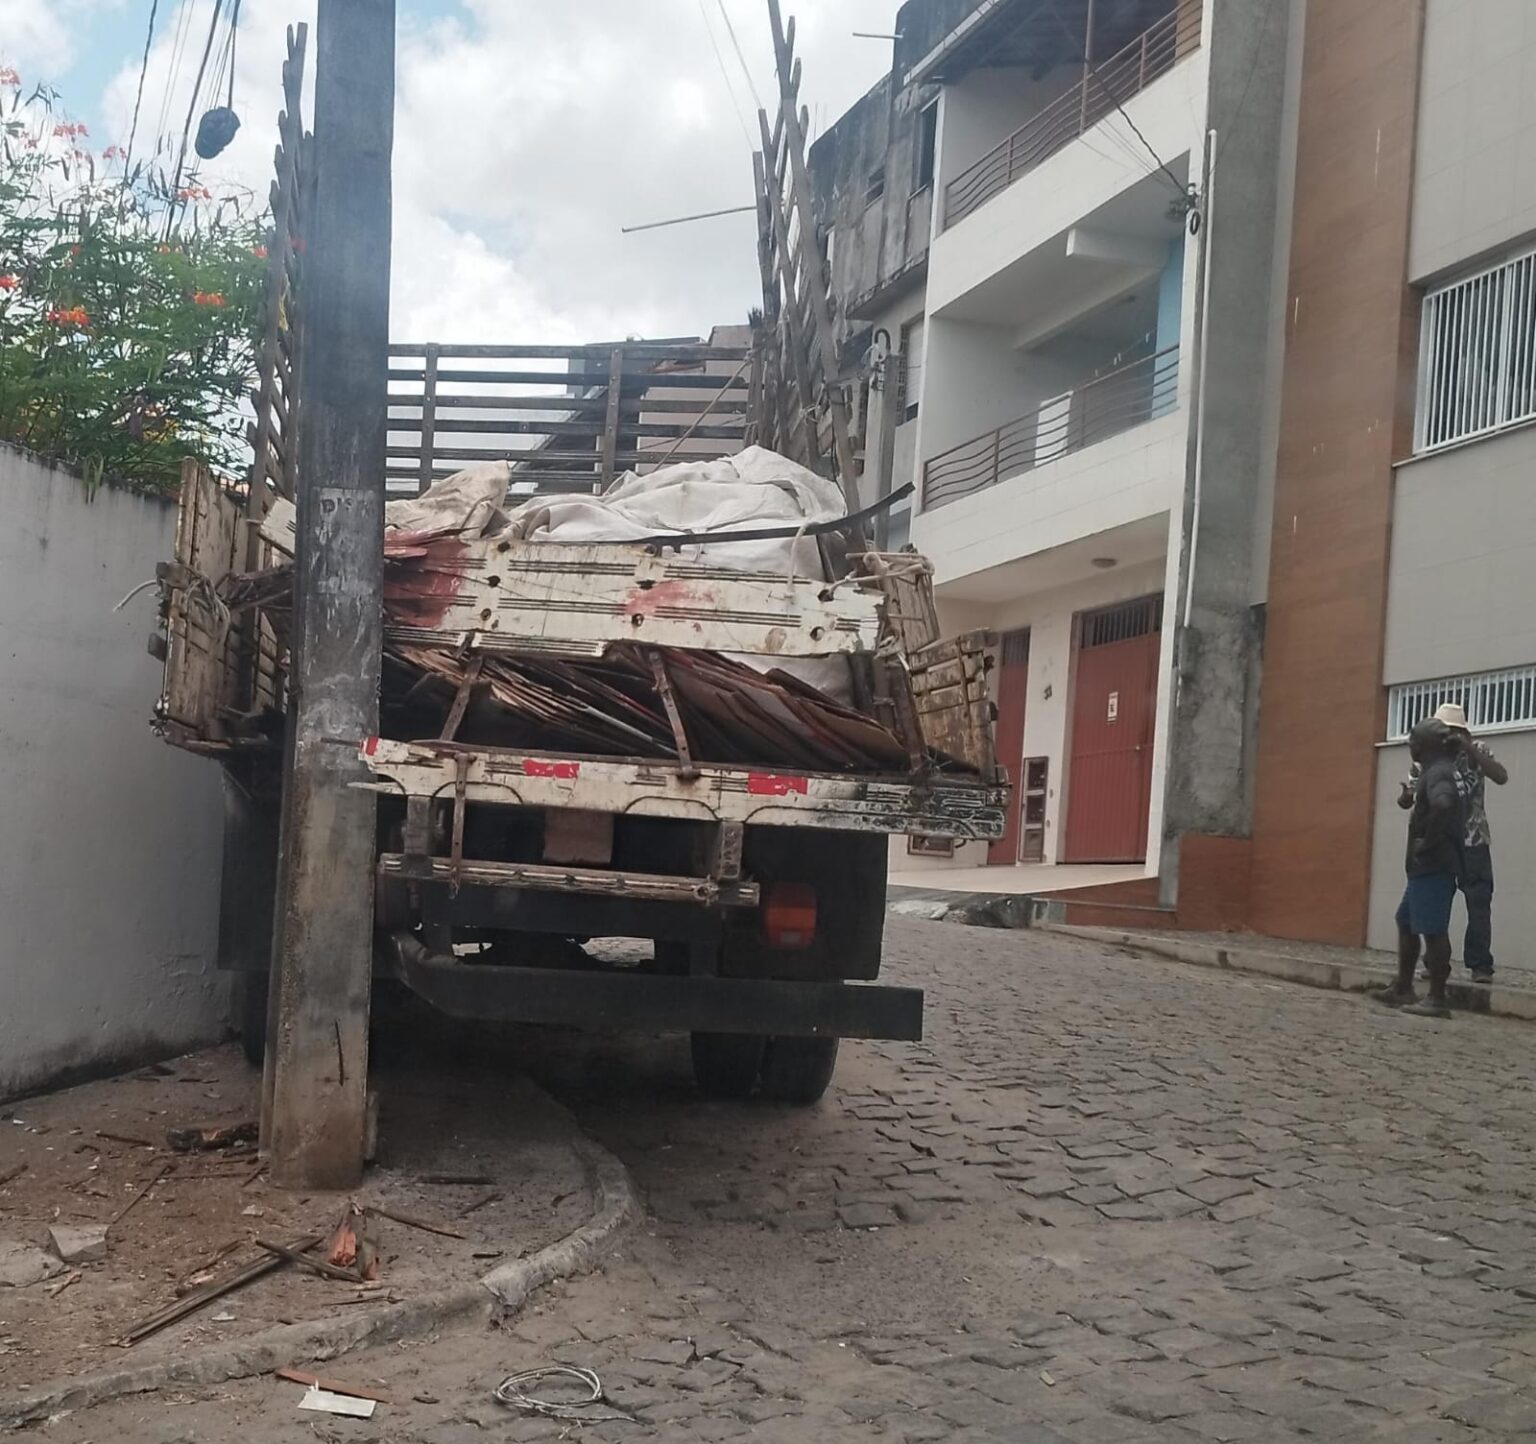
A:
[37,34]
[528,131]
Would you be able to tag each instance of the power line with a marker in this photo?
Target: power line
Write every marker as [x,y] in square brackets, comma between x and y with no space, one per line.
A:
[1093,72]
[186,130]
[725,75]
[745,69]
[138,99]
[173,72]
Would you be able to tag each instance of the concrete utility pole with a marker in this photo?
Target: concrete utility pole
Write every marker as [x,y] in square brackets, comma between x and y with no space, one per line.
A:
[314,1124]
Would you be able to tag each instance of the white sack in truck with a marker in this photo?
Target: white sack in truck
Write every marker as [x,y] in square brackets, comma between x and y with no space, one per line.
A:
[755,488]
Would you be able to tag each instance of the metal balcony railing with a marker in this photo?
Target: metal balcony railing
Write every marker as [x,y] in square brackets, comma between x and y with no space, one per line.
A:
[1110,82]
[1101,408]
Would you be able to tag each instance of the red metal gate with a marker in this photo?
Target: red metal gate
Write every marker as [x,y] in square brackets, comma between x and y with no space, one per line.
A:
[1114,702]
[1012,692]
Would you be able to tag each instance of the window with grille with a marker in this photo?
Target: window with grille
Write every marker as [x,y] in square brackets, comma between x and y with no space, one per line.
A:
[1121,623]
[909,377]
[1491,700]
[1477,354]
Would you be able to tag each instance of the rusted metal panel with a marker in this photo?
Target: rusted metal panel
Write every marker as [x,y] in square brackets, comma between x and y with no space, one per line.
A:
[949,683]
[510,596]
[198,674]
[935,806]
[654,887]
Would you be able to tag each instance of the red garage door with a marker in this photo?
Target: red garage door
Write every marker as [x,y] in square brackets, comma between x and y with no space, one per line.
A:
[1114,700]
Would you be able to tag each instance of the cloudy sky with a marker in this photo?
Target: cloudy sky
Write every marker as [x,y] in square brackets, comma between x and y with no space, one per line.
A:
[527,132]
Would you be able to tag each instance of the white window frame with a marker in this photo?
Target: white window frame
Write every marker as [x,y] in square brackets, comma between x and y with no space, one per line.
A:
[1497,701]
[1477,316]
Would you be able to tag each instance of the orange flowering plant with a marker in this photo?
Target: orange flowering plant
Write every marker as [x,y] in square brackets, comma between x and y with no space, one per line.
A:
[129,304]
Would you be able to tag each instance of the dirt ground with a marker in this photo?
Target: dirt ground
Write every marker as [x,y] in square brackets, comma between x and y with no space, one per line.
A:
[93,1151]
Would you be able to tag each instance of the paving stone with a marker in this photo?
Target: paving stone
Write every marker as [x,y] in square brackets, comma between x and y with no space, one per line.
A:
[1215,1190]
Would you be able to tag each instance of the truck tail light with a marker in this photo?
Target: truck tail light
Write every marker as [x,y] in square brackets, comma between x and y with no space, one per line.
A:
[789,914]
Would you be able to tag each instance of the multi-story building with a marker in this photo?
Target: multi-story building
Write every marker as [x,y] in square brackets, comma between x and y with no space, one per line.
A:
[1404,559]
[1213,362]
[1059,220]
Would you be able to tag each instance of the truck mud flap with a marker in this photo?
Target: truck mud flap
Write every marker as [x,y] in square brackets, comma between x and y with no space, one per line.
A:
[651,1004]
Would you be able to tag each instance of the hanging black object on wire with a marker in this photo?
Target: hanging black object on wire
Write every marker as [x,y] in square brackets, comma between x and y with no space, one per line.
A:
[215,131]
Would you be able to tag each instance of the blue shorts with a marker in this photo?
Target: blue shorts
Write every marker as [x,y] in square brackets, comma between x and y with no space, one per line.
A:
[1426,905]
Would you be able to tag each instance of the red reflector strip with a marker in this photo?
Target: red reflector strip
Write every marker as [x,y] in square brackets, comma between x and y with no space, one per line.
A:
[564,770]
[767,784]
[370,746]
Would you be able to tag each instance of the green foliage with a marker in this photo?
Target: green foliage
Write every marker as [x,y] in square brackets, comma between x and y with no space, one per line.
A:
[129,311]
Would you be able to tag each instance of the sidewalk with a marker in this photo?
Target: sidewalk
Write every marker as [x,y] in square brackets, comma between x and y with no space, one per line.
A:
[1316,965]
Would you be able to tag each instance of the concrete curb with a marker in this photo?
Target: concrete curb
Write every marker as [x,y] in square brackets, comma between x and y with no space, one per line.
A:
[1310,972]
[501,1292]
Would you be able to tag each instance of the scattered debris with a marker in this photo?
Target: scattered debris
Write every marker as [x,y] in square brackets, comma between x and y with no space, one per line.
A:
[252,1210]
[203,1273]
[342,1251]
[512,1391]
[216,1290]
[127,1138]
[225,1318]
[207,1139]
[333,1386]
[22,1264]
[54,1290]
[479,1203]
[467,1180]
[1047,1378]
[11,1174]
[79,1245]
[315,1265]
[411,1221]
[165,1168]
[327,1403]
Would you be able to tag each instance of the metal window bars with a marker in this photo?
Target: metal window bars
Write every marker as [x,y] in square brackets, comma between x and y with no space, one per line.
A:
[1113,403]
[1477,354]
[1504,699]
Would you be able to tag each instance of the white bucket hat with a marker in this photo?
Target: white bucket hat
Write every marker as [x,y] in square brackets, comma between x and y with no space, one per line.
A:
[1452,715]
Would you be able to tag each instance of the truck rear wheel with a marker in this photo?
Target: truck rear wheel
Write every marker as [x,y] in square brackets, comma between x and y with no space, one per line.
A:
[726,1065]
[798,1070]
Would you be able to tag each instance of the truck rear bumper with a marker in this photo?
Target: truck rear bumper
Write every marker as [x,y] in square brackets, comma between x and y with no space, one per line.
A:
[650,1004]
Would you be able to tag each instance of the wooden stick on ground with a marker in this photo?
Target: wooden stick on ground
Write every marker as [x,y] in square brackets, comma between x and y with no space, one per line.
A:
[319,1266]
[333,1386]
[206,1295]
[143,1193]
[13,1173]
[410,1221]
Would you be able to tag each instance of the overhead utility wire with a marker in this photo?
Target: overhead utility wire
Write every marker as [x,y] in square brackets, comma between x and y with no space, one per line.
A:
[186,130]
[1093,71]
[736,44]
[173,70]
[725,75]
[138,99]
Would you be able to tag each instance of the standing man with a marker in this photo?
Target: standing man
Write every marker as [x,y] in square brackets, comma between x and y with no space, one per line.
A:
[1433,864]
[1474,764]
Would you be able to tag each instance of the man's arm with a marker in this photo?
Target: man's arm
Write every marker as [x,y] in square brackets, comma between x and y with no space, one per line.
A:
[1489,765]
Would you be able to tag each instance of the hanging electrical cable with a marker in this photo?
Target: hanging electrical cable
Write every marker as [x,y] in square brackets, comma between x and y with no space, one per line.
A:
[218,126]
[725,75]
[173,69]
[138,99]
[186,130]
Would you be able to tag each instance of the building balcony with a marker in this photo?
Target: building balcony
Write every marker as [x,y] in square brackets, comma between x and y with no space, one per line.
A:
[1057,427]
[1105,87]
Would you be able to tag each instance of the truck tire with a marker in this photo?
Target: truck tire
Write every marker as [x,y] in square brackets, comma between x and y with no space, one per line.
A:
[726,1065]
[798,1070]
[251,1005]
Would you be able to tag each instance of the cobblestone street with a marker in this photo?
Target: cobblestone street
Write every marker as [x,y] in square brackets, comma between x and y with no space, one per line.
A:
[1109,1199]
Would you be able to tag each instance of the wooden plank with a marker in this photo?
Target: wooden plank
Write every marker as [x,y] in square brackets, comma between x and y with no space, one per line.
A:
[492,426]
[635,350]
[428,416]
[610,441]
[635,382]
[628,405]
